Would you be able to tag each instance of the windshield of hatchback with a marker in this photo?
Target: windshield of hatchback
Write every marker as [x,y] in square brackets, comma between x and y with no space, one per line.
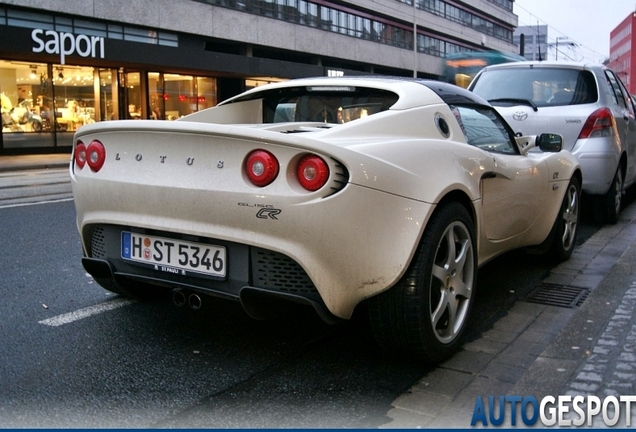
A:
[324,104]
[542,87]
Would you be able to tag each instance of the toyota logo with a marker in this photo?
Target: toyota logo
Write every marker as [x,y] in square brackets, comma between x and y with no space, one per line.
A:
[520,115]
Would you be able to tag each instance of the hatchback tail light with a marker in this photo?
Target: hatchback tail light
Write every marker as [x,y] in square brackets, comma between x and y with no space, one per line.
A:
[261,167]
[312,172]
[600,123]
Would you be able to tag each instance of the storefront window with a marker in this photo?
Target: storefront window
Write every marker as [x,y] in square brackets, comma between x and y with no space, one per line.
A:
[132,84]
[107,95]
[173,96]
[74,97]
[44,104]
[179,96]
[20,87]
[256,82]
[155,95]
[206,93]
[24,93]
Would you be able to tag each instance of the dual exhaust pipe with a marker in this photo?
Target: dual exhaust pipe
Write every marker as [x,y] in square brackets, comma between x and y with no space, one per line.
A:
[180,298]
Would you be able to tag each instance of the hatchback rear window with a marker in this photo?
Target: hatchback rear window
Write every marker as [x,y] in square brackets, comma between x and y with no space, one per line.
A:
[542,86]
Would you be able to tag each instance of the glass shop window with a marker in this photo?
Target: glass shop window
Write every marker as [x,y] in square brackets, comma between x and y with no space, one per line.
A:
[24,92]
[172,96]
[74,101]
[179,95]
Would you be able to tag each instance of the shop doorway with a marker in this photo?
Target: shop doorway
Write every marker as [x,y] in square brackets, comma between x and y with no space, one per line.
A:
[131,95]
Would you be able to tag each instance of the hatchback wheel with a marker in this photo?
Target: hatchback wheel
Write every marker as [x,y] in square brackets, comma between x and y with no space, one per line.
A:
[566,224]
[610,203]
[425,314]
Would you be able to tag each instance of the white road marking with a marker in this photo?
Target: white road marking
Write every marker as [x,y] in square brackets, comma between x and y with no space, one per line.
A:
[35,203]
[86,312]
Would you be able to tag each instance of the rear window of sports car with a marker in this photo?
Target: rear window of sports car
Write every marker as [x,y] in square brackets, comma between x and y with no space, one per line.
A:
[323,104]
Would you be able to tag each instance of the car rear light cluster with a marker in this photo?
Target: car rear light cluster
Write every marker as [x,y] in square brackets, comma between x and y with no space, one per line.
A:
[600,123]
[94,155]
[312,172]
[262,167]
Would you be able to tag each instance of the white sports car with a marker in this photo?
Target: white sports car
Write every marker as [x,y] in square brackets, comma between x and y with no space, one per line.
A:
[327,192]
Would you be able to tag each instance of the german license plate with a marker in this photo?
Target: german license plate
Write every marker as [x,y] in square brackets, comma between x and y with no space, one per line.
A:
[172,255]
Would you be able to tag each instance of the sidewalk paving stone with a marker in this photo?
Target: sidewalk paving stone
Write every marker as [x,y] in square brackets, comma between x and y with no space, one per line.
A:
[541,350]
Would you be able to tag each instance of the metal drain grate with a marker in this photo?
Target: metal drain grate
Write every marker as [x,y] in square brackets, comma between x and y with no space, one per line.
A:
[558,295]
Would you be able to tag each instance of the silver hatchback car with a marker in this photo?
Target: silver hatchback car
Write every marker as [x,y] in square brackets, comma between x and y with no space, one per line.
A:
[587,104]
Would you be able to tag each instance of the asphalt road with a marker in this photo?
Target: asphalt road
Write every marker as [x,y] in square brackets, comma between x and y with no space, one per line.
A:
[36,185]
[153,365]
[74,356]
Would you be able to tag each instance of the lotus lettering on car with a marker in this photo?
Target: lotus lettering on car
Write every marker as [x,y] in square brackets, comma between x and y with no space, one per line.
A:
[394,193]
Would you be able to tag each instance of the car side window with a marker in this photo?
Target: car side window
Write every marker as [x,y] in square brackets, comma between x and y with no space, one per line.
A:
[484,129]
[628,99]
[617,95]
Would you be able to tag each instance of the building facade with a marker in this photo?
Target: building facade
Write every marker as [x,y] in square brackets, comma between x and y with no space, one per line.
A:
[533,41]
[67,63]
[622,52]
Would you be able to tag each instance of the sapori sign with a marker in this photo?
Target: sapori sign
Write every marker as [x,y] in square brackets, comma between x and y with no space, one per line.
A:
[64,44]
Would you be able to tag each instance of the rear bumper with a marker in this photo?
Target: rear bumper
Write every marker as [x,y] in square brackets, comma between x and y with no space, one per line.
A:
[599,158]
[352,245]
[257,277]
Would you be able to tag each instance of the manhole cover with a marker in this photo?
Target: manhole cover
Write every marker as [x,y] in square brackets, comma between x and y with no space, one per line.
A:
[558,295]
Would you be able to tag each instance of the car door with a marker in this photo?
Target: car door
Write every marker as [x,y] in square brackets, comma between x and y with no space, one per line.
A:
[625,122]
[514,191]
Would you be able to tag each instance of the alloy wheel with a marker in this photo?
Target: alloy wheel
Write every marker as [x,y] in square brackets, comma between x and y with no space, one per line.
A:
[451,282]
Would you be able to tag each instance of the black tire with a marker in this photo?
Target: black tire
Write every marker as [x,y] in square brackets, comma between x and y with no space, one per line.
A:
[566,224]
[609,205]
[424,315]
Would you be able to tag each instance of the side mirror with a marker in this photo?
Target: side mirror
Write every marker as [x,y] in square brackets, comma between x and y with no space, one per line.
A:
[551,143]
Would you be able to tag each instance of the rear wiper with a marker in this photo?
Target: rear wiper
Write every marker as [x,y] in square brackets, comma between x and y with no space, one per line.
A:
[518,101]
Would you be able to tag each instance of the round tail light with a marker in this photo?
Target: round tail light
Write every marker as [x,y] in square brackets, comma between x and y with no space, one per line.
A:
[80,154]
[312,172]
[95,155]
[261,167]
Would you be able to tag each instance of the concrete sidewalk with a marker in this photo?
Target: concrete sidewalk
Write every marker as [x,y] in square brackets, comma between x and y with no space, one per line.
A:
[35,161]
[540,350]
